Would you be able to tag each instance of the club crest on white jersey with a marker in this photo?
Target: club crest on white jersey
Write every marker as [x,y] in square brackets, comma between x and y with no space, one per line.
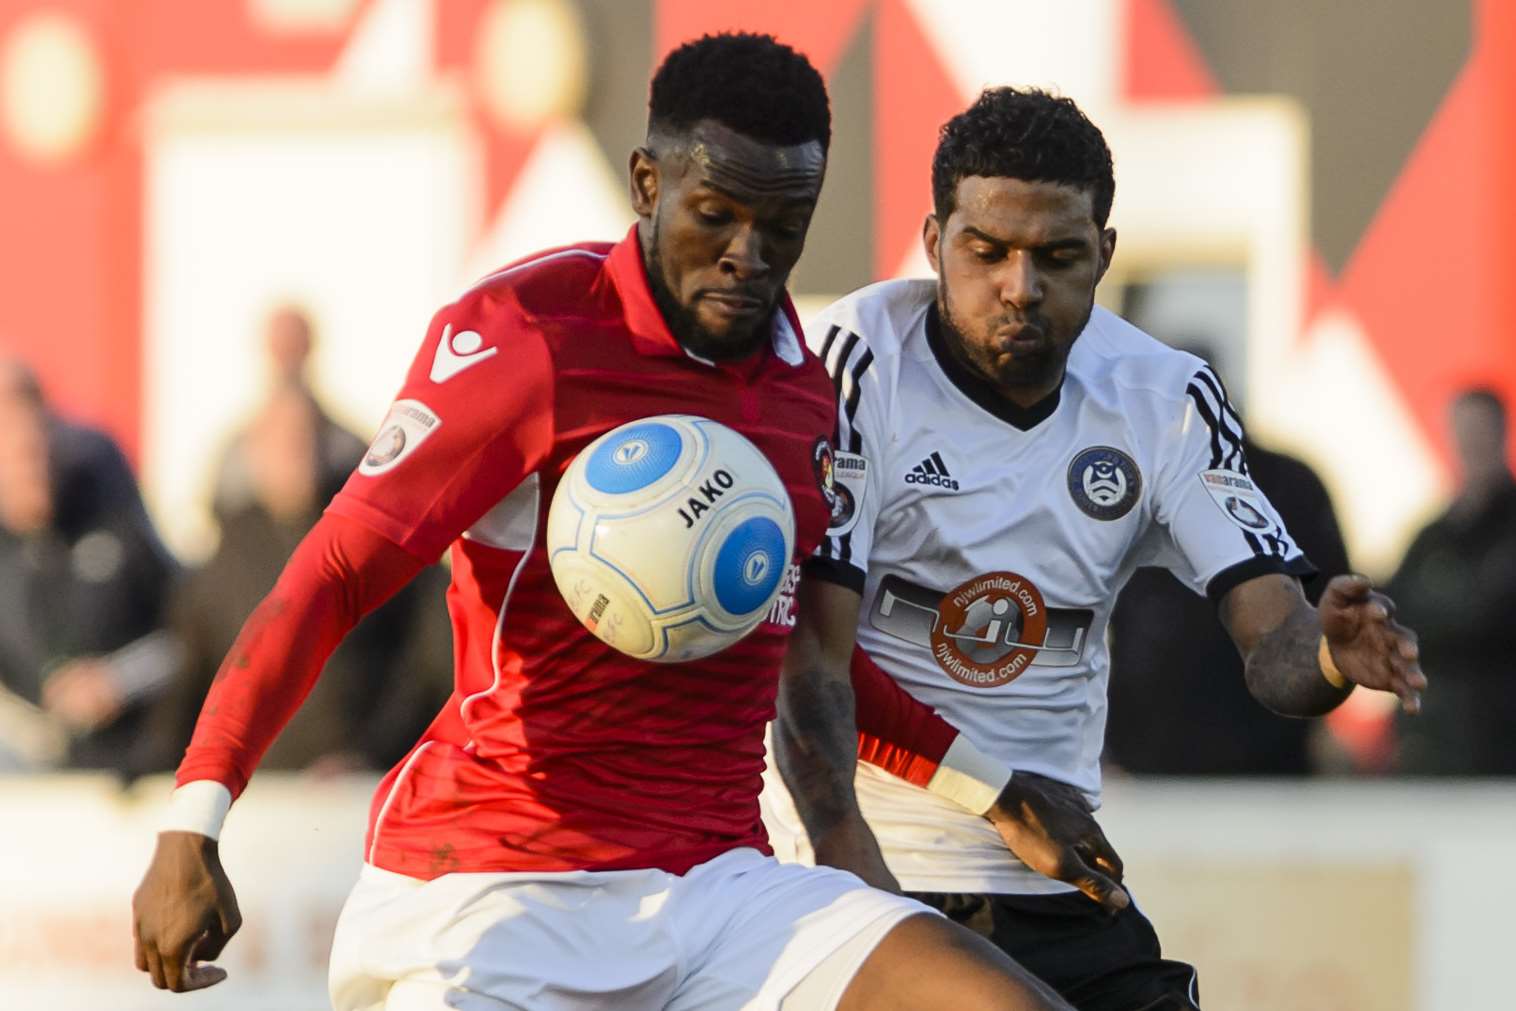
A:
[1104,483]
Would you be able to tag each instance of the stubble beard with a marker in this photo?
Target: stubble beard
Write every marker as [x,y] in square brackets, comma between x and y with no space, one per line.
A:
[684,325]
[1043,370]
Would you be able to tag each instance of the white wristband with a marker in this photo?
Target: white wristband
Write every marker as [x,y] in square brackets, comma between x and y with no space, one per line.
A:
[199,806]
[968,777]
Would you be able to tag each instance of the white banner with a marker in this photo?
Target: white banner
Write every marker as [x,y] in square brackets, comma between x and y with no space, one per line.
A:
[1309,896]
[72,850]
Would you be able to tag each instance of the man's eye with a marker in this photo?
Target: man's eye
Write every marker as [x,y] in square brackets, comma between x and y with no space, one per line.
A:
[985,254]
[713,217]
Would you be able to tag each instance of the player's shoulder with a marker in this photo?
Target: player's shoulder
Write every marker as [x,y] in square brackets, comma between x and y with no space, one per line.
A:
[1114,353]
[511,311]
[878,318]
[881,316]
[545,283]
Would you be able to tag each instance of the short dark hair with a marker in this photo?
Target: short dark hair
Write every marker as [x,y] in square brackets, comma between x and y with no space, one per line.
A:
[751,83]
[1023,134]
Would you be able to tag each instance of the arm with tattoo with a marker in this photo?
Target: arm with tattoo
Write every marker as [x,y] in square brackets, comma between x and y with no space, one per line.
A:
[816,746]
[816,736]
[1281,666]
[1303,661]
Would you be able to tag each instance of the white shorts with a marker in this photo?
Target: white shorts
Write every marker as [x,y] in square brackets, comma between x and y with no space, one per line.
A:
[740,931]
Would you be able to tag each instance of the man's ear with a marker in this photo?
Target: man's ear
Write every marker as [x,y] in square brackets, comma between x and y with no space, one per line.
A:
[931,236]
[643,178]
[1107,251]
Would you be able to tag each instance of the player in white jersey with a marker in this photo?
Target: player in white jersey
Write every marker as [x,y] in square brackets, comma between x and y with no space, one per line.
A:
[1008,455]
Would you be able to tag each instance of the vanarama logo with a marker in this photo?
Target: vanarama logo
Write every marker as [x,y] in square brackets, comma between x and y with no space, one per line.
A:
[989,629]
[408,424]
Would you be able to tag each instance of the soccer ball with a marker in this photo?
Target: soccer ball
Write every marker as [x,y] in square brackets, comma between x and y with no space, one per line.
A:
[669,537]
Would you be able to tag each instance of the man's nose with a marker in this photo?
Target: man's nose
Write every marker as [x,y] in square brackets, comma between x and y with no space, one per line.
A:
[743,257]
[1020,280]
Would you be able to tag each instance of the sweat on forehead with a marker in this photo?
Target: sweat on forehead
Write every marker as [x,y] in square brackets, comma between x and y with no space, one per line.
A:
[730,159]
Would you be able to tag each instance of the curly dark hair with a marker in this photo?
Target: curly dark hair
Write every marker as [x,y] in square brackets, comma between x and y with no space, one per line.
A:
[1023,134]
[751,83]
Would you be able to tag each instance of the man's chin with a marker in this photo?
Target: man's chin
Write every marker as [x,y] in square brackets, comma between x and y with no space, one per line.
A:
[726,338]
[1027,374]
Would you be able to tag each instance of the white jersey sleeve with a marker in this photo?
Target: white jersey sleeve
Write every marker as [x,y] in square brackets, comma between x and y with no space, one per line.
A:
[1214,526]
[862,439]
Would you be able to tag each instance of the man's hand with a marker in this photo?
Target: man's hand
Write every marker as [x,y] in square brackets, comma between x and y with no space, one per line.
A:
[850,846]
[1368,646]
[1049,826]
[184,911]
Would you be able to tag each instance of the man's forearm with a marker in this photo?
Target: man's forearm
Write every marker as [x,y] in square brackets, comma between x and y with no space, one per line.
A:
[338,573]
[816,750]
[1284,671]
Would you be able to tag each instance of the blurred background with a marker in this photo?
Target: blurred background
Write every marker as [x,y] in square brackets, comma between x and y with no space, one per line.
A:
[227,223]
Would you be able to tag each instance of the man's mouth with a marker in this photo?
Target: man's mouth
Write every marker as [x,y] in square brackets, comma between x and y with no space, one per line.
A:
[1022,339]
[734,304]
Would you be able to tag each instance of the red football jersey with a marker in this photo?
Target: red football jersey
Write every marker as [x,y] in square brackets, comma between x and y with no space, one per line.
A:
[556,752]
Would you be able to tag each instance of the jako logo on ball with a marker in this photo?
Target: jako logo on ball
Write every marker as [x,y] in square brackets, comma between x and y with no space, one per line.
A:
[669,537]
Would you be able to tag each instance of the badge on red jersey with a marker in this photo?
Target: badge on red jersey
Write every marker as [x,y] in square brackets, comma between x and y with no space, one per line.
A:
[408,424]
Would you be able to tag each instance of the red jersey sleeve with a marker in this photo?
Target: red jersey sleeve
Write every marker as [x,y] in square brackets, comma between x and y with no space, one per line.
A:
[472,420]
[896,731]
[338,573]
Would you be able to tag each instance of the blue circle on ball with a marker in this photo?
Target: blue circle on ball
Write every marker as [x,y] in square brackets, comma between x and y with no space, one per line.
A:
[749,565]
[634,457]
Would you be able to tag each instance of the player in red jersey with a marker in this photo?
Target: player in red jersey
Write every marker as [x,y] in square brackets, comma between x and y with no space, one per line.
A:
[578,829]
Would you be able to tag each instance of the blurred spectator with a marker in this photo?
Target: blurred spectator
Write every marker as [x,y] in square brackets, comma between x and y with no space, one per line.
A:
[83,580]
[1168,644]
[289,340]
[1457,588]
[387,679]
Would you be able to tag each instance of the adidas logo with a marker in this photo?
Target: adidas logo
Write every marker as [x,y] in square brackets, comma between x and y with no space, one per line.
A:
[932,471]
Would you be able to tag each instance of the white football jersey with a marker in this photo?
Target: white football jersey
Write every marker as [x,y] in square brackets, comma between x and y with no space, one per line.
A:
[990,542]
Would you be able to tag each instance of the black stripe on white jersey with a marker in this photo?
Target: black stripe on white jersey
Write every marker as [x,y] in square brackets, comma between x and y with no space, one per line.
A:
[826,345]
[1208,415]
[849,361]
[1277,539]
[1227,418]
[850,400]
[841,354]
[1223,445]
